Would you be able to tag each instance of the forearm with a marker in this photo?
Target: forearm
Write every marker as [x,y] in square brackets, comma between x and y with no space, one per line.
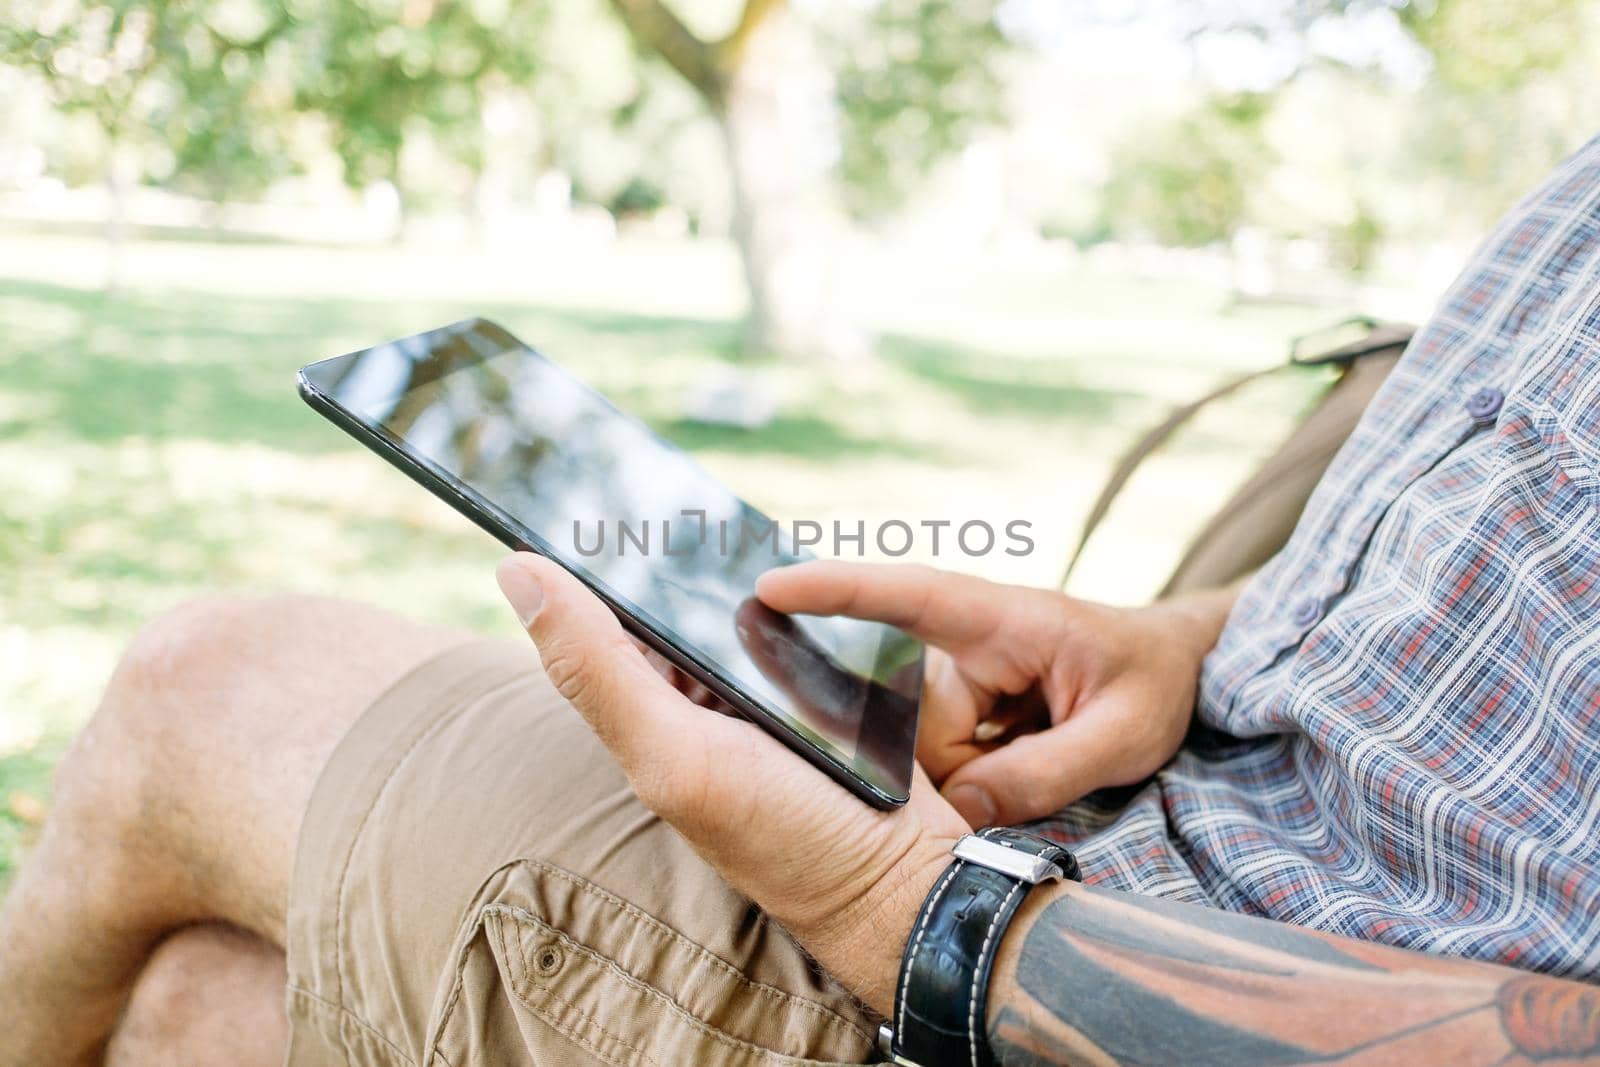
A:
[1089,976]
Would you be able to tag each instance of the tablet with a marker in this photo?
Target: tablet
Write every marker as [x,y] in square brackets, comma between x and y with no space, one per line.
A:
[548,465]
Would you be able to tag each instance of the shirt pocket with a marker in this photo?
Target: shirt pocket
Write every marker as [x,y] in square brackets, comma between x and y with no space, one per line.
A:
[1546,515]
[1566,452]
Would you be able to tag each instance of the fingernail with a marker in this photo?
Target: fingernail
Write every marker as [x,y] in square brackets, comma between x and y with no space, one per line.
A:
[974,804]
[987,730]
[521,589]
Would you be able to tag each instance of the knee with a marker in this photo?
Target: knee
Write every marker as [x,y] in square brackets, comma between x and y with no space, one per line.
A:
[184,791]
[209,994]
[169,689]
[166,995]
[127,793]
[181,654]
[191,663]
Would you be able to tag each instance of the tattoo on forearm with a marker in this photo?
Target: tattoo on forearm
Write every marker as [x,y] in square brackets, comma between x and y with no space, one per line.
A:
[1550,1020]
[1112,978]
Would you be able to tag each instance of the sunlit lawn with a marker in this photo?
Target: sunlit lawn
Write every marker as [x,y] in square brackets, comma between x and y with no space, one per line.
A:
[152,446]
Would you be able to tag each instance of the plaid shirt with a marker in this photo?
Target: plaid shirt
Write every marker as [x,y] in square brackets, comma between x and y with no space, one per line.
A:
[1400,727]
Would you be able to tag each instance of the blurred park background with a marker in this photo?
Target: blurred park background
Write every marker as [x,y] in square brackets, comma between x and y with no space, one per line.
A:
[939,259]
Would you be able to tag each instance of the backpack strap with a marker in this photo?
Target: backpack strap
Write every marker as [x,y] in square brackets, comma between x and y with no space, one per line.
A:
[1370,337]
[1310,350]
[1147,443]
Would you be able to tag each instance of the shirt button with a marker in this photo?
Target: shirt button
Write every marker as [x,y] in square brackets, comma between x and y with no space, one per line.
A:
[1485,403]
[1306,612]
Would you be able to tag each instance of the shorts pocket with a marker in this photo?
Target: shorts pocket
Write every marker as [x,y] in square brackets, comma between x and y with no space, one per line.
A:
[555,970]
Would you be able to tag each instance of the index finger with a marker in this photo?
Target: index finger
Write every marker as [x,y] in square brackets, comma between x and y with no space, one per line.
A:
[940,607]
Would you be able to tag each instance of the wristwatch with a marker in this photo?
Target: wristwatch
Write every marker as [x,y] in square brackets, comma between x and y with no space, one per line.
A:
[942,994]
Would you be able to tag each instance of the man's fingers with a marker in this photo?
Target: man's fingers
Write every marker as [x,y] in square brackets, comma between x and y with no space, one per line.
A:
[592,661]
[937,606]
[1035,775]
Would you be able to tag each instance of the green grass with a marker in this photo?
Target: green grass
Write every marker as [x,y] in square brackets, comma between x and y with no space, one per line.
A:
[152,446]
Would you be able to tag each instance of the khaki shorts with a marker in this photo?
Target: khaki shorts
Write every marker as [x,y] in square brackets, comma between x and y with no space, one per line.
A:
[476,884]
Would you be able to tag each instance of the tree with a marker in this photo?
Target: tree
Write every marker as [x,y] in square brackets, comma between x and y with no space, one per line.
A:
[1503,89]
[740,78]
[915,83]
[933,69]
[380,73]
[97,62]
[1475,44]
[167,86]
[228,102]
[1188,180]
[210,93]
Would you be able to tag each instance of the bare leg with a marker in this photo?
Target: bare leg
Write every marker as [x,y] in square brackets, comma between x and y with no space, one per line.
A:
[181,802]
[211,996]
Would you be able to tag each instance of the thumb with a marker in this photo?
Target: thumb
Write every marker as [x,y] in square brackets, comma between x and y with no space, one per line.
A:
[1035,775]
[592,662]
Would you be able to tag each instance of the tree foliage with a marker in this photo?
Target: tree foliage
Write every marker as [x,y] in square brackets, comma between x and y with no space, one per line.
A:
[224,97]
[1502,92]
[226,115]
[1474,45]
[913,94]
[379,71]
[179,89]
[100,60]
[220,85]
[917,79]
[1495,45]
[1188,180]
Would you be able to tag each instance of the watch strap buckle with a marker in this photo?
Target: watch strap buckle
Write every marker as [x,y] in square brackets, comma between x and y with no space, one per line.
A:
[995,854]
[886,1048]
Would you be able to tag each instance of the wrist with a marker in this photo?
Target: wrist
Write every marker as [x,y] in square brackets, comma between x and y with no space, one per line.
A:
[861,944]
[1193,622]
[947,971]
[1003,984]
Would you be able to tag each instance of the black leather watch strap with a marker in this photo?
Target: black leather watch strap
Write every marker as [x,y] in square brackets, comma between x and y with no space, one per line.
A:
[944,975]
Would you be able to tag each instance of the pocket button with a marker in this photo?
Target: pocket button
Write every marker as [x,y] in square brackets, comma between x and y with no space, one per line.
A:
[548,958]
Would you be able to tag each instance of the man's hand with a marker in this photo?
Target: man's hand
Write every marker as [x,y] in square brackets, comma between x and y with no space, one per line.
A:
[847,881]
[1079,695]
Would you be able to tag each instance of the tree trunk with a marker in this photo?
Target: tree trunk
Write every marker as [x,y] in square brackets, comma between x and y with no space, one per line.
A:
[779,222]
[118,175]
